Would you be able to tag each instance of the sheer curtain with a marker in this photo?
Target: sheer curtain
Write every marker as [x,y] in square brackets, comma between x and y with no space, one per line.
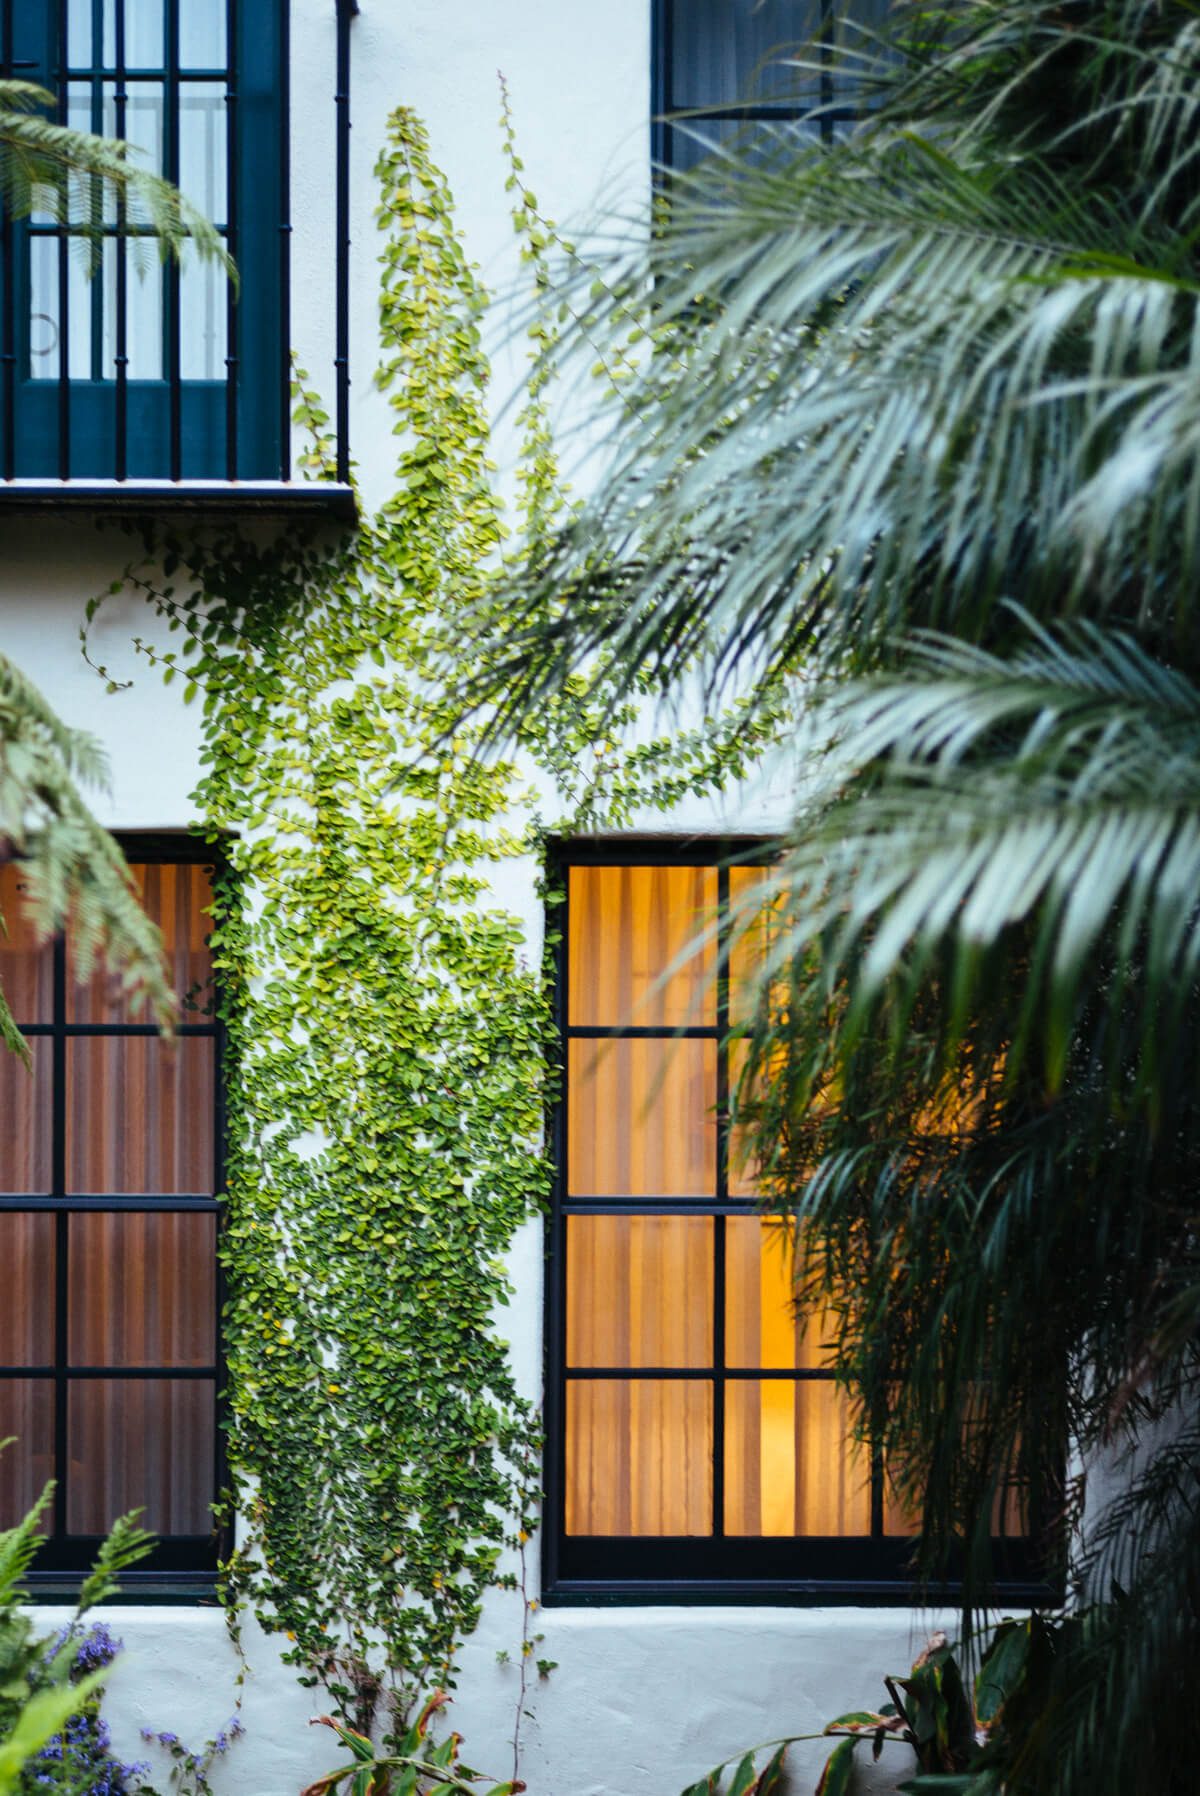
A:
[646,1292]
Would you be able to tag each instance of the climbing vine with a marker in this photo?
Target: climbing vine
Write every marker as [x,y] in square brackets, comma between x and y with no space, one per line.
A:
[388,1036]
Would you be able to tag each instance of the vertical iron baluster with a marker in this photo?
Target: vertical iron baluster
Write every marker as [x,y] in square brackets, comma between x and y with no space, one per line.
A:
[342,353]
[8,354]
[231,239]
[64,284]
[96,199]
[285,248]
[173,275]
[120,250]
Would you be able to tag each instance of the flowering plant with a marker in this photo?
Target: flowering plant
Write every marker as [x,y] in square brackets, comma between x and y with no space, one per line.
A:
[54,1741]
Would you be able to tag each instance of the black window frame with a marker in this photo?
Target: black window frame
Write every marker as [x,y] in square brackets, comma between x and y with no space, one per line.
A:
[182,1567]
[766,1570]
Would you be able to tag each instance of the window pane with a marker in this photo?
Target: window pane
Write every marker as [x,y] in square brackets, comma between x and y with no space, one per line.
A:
[145,114]
[177,897]
[768,141]
[639,1291]
[639,1456]
[202,146]
[25,1113]
[26,1412]
[26,970]
[754,911]
[79,33]
[142,1290]
[790,1467]
[27,1310]
[140,1443]
[203,317]
[899,1516]
[201,34]
[143,311]
[43,309]
[761,1325]
[140,1115]
[723,51]
[641,1120]
[628,926]
[144,34]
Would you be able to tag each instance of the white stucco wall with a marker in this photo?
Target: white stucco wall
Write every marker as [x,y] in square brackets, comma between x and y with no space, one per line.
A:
[642,1699]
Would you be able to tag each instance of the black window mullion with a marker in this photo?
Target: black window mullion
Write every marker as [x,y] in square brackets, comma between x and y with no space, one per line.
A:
[284,80]
[64,288]
[8,350]
[101,1203]
[601,1205]
[231,239]
[121,322]
[58,1182]
[95,194]
[143,1029]
[131,1374]
[172,276]
[728,1374]
[642,1032]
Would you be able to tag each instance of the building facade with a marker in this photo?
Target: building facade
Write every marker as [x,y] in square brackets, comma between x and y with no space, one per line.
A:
[713,1568]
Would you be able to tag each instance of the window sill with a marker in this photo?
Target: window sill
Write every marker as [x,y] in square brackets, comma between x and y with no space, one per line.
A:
[797,1593]
[256,498]
[137,1589]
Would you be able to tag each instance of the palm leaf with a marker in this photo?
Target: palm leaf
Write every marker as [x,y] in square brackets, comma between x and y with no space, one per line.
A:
[48,167]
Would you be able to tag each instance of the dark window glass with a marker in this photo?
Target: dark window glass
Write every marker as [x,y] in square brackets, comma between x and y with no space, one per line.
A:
[737,64]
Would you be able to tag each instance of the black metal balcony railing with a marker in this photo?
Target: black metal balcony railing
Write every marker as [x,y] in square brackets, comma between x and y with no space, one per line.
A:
[137,373]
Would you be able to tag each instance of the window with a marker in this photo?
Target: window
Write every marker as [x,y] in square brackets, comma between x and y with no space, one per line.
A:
[152,370]
[725,62]
[109,1166]
[697,1443]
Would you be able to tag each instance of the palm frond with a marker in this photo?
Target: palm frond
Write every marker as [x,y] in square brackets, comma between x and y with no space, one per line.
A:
[1058,787]
[50,168]
[900,377]
[72,872]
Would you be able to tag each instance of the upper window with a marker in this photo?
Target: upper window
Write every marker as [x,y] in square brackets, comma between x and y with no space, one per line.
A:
[725,62]
[109,1169]
[698,1439]
[145,369]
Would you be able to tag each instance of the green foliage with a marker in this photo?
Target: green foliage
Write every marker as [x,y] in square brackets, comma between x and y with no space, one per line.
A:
[416,1767]
[388,1038]
[47,1691]
[72,872]
[957,1738]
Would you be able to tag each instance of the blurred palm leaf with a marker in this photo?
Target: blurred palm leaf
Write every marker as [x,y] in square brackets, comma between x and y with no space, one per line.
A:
[917,416]
[48,167]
